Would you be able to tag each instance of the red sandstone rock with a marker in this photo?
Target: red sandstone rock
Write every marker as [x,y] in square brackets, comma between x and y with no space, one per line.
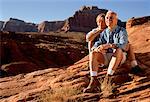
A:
[84,20]
[137,21]
[16,68]
[17,25]
[41,49]
[47,26]
[55,84]
[138,31]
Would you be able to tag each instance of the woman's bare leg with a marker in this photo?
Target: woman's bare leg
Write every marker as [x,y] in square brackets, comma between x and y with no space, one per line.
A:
[135,68]
[132,56]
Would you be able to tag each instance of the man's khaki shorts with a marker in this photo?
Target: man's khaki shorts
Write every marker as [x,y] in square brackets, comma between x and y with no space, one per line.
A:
[108,57]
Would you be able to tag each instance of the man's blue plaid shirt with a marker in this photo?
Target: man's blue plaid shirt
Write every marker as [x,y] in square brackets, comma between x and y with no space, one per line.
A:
[117,36]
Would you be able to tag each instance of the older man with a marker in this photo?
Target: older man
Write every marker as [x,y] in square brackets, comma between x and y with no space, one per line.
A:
[108,51]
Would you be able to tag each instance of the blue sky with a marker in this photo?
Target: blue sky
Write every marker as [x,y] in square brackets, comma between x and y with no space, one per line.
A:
[37,11]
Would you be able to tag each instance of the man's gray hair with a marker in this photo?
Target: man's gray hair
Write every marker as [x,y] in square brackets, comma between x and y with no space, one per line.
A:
[112,12]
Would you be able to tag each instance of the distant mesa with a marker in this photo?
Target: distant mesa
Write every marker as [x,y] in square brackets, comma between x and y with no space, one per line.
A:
[17,25]
[83,19]
[47,26]
[88,8]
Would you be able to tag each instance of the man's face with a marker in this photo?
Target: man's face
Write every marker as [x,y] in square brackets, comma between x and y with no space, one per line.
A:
[111,20]
[101,23]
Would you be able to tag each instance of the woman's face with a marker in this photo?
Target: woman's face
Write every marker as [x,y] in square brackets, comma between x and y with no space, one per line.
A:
[101,22]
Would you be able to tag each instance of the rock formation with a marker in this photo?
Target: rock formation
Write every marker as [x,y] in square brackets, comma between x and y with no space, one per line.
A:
[84,19]
[1,24]
[39,49]
[65,85]
[137,21]
[46,67]
[139,33]
[16,25]
[16,68]
[47,26]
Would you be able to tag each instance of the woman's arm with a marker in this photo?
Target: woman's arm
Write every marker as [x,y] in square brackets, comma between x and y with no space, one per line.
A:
[93,34]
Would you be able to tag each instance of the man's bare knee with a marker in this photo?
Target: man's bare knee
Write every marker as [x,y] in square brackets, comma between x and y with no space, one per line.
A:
[118,51]
[95,53]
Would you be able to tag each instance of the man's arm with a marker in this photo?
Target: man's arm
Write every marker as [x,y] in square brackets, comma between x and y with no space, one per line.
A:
[98,44]
[123,39]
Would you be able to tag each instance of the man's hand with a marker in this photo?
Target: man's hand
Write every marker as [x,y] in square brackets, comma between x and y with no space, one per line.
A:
[99,49]
[102,48]
[106,46]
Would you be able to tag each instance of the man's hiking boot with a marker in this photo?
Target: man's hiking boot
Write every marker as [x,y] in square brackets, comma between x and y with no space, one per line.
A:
[93,87]
[136,70]
[108,87]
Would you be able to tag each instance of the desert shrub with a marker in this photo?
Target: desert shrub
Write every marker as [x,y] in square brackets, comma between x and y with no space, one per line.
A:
[59,94]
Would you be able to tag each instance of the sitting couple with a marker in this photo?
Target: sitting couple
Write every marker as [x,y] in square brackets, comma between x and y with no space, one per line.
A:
[107,47]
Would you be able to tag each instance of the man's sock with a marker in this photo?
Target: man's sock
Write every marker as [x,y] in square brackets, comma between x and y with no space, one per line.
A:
[93,73]
[110,71]
[134,63]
